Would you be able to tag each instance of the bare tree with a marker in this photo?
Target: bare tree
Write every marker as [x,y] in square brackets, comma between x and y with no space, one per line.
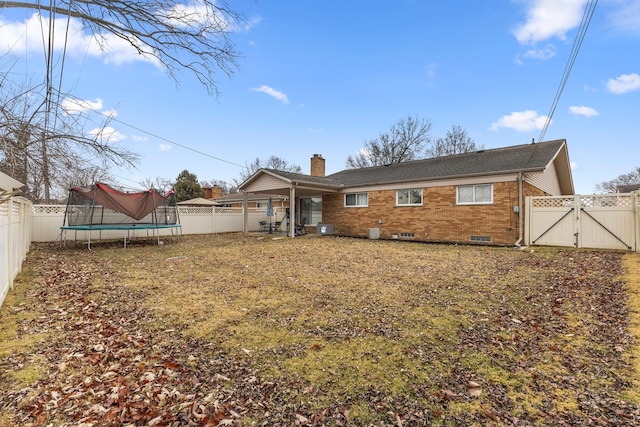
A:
[178,35]
[405,141]
[43,147]
[39,143]
[272,162]
[161,185]
[457,141]
[630,178]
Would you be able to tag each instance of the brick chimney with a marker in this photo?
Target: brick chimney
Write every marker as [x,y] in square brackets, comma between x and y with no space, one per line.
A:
[212,192]
[317,165]
[207,192]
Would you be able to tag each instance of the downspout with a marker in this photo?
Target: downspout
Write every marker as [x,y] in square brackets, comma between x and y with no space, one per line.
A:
[520,210]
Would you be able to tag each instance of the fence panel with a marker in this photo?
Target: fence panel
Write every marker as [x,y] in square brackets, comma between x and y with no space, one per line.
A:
[15,239]
[47,220]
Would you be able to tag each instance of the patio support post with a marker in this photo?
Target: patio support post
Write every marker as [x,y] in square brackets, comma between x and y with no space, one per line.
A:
[245,212]
[292,211]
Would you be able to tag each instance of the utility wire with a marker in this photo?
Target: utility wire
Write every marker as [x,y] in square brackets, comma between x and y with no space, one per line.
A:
[173,142]
[109,117]
[590,7]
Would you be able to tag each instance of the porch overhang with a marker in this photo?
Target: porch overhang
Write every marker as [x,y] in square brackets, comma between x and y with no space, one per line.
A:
[270,182]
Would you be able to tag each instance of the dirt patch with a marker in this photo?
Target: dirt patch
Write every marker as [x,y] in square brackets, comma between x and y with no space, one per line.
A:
[327,331]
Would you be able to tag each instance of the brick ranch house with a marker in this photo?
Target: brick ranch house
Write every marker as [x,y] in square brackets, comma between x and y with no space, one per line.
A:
[466,198]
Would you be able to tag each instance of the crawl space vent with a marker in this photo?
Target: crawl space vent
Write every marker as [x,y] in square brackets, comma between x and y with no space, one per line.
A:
[484,239]
[407,235]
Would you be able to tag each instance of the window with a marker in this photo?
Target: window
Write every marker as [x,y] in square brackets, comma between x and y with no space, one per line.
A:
[311,209]
[410,197]
[475,194]
[356,199]
[261,206]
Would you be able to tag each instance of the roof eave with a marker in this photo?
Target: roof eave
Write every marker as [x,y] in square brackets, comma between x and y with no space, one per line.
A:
[257,174]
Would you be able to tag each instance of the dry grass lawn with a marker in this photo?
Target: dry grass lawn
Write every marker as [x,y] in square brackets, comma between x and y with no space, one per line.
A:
[248,330]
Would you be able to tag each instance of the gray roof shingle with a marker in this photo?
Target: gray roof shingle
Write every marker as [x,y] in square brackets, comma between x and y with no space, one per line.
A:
[526,158]
[519,158]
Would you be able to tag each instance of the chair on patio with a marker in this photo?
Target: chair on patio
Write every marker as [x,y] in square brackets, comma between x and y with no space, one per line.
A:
[300,228]
[264,226]
[276,226]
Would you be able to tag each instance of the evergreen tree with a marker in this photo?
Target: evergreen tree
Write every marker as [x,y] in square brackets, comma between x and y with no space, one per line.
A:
[187,186]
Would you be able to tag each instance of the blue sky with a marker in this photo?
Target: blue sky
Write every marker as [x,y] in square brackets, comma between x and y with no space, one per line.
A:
[324,77]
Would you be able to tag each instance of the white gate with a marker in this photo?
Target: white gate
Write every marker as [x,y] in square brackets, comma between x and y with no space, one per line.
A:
[606,221]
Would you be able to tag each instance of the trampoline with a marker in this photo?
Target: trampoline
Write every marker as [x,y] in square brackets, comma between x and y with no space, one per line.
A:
[103,209]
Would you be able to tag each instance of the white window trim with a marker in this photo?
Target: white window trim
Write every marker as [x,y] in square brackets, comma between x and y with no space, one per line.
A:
[458,202]
[410,204]
[356,206]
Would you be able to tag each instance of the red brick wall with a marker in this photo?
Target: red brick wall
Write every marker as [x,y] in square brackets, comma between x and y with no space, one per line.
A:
[438,220]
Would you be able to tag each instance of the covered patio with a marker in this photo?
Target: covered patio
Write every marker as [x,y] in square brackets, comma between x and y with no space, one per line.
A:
[298,187]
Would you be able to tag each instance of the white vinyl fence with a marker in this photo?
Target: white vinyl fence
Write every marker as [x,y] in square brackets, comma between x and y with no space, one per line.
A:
[15,239]
[606,221]
[47,220]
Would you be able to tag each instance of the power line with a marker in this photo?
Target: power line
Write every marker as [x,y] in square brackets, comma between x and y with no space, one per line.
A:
[590,7]
[172,142]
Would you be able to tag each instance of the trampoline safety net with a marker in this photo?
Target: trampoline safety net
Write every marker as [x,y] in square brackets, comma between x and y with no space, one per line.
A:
[104,205]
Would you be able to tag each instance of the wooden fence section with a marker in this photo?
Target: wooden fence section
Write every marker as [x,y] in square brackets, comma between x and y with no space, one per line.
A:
[15,239]
[47,220]
[607,221]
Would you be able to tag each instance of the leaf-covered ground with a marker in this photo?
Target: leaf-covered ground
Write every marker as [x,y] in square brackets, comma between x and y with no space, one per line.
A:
[248,330]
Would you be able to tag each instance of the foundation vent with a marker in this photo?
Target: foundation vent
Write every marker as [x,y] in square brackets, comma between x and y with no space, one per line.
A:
[483,239]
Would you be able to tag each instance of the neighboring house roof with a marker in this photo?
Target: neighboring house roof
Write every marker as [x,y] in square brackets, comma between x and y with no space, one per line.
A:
[628,188]
[198,201]
[526,158]
[252,197]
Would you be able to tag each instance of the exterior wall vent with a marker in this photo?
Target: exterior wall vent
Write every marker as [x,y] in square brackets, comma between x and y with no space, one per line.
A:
[407,235]
[484,239]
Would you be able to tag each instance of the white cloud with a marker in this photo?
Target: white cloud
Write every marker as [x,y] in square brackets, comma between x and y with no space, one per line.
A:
[573,166]
[76,106]
[164,147]
[110,113]
[624,83]
[26,37]
[430,70]
[542,54]
[199,15]
[107,134]
[251,23]
[547,19]
[520,121]
[273,93]
[139,138]
[627,17]
[583,111]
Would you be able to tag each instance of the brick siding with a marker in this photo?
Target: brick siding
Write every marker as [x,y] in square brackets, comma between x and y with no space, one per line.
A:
[439,219]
